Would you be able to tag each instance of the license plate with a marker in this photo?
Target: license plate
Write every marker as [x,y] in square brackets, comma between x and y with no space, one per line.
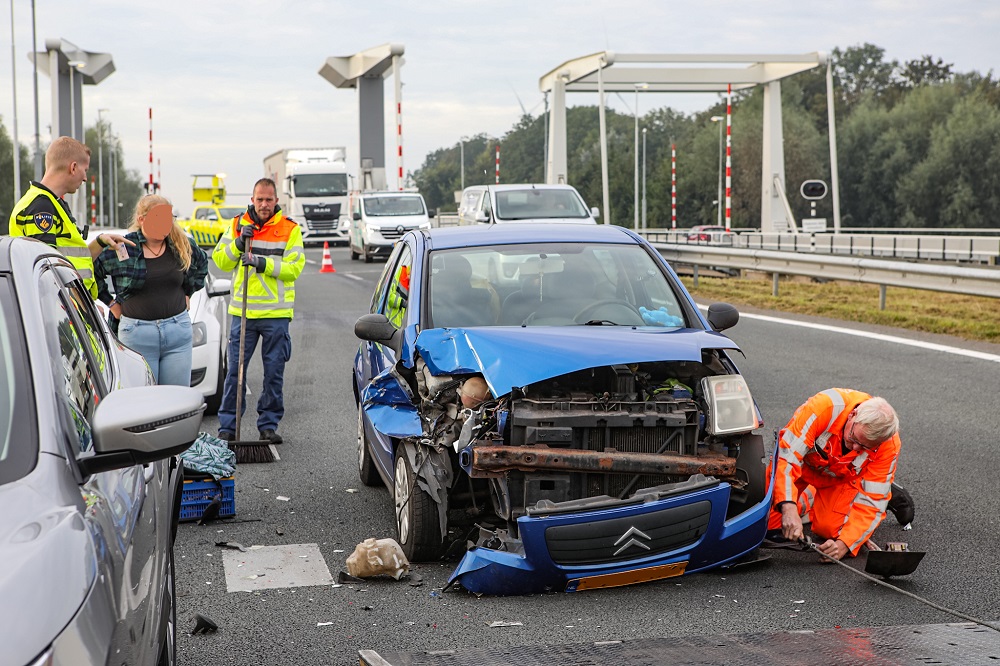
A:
[627,577]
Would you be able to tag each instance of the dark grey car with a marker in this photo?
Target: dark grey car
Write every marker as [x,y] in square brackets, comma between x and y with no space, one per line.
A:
[89,486]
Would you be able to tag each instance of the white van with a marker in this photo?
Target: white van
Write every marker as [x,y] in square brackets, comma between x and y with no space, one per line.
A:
[379,219]
[497,204]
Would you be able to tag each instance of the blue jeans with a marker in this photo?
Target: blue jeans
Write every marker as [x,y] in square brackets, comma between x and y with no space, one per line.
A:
[164,343]
[275,349]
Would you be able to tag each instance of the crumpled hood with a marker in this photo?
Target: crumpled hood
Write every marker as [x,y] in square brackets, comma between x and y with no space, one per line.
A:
[510,357]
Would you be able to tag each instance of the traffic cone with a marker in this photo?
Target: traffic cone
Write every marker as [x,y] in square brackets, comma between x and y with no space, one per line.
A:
[327,266]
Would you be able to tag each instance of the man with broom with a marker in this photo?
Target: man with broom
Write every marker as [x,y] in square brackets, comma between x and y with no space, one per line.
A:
[264,250]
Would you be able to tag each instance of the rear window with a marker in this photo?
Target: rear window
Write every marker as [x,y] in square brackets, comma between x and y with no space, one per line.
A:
[539,204]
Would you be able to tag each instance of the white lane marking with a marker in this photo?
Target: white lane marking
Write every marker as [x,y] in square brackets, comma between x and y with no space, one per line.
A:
[353,277]
[874,336]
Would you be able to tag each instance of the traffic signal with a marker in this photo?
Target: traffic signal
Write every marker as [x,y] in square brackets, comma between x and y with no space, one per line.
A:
[813,189]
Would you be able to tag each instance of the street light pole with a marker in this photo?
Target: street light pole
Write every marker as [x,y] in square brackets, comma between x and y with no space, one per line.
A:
[34,78]
[100,162]
[719,119]
[461,144]
[643,178]
[635,206]
[13,136]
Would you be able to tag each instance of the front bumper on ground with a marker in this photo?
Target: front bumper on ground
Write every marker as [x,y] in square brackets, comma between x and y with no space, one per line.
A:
[621,543]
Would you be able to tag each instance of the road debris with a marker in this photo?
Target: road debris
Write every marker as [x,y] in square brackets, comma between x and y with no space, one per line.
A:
[504,623]
[373,557]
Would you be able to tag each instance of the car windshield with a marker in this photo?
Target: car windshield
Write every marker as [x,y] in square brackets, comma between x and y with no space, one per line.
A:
[539,203]
[320,185]
[551,284]
[393,206]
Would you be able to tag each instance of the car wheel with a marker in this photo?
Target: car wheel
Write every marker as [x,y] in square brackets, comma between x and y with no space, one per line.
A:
[366,464]
[354,254]
[368,257]
[418,527]
[213,403]
[168,648]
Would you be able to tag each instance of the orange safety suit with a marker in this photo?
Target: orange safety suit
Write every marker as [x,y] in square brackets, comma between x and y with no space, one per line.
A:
[844,493]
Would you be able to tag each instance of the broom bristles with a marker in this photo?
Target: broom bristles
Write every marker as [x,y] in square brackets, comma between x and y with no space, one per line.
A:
[254,451]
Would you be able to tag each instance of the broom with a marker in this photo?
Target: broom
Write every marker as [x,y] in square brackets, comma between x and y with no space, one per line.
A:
[250,450]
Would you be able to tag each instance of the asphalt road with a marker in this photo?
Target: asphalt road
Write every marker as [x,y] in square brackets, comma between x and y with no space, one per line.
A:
[950,423]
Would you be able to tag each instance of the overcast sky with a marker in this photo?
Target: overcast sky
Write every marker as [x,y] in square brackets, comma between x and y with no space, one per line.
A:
[230,82]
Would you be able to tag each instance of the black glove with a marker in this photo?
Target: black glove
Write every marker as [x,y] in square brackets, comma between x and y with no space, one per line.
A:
[246,233]
[259,263]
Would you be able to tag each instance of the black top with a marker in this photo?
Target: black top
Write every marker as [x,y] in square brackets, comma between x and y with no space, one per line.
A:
[162,295]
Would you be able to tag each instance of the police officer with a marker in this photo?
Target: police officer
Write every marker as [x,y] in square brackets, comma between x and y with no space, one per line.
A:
[270,244]
[42,212]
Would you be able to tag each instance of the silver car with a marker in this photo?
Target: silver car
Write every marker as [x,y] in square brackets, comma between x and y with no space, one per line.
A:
[89,483]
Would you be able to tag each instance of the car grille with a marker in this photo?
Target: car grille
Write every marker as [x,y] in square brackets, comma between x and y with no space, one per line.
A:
[631,537]
[658,439]
[392,233]
[326,212]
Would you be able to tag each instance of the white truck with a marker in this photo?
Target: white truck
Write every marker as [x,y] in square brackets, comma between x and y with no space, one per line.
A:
[313,191]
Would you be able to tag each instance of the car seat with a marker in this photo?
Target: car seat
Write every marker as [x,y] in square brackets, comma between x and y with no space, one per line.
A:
[455,302]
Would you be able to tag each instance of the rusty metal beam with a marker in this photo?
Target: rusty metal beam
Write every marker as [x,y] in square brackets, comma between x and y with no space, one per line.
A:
[492,459]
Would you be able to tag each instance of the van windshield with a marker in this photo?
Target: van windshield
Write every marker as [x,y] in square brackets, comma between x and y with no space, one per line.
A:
[393,206]
[538,203]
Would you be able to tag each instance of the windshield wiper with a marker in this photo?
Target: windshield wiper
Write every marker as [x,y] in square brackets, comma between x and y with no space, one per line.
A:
[601,322]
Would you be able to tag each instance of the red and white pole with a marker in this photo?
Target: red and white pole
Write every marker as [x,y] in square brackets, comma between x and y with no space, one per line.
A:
[673,186]
[498,164]
[93,202]
[729,155]
[159,176]
[150,186]
[399,142]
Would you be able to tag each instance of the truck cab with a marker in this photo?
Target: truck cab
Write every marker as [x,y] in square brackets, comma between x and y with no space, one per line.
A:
[312,190]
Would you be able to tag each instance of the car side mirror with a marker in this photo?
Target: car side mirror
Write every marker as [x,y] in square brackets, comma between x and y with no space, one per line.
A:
[220,287]
[377,328]
[722,316]
[356,217]
[483,217]
[432,212]
[595,212]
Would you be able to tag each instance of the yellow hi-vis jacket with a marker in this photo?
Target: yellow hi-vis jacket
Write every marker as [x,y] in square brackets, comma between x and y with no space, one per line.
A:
[271,294]
[41,214]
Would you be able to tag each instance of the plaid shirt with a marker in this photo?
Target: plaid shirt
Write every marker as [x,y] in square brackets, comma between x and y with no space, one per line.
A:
[129,276]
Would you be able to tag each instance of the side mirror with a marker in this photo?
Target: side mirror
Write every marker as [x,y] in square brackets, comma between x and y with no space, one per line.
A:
[722,316]
[220,287]
[431,212]
[595,212]
[376,328]
[356,216]
[482,217]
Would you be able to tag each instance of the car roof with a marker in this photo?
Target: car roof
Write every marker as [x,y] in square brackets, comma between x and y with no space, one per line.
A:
[504,234]
[395,193]
[521,186]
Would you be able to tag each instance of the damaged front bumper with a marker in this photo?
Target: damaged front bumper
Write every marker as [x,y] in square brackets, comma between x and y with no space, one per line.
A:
[657,533]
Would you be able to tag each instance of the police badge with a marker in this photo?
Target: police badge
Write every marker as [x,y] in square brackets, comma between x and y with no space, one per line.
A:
[43,221]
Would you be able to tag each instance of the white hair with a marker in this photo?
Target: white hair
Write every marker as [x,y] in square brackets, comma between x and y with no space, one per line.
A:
[877,419]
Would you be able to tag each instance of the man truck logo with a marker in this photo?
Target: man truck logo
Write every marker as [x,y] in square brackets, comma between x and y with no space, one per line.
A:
[318,209]
[631,538]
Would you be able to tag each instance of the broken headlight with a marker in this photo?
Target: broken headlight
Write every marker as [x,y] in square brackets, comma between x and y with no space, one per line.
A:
[730,406]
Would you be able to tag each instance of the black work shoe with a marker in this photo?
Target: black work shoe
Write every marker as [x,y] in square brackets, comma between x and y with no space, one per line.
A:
[226,436]
[901,505]
[272,436]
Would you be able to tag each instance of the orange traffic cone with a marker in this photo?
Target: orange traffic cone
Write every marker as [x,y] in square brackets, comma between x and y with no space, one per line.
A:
[327,266]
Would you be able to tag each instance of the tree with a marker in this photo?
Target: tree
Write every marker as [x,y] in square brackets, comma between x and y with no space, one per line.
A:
[862,70]
[7,198]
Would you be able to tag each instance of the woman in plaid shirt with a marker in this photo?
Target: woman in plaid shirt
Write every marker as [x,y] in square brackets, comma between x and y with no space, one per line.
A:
[153,286]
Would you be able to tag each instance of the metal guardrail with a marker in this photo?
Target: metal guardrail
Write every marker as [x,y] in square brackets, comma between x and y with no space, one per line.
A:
[926,247]
[973,281]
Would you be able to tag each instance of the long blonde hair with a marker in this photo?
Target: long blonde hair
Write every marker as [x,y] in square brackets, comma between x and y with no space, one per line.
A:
[177,239]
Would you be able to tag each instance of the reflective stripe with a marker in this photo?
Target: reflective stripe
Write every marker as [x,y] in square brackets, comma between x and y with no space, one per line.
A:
[838,403]
[876,487]
[72,251]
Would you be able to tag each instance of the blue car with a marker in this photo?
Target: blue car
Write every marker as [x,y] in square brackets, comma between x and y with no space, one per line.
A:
[552,395]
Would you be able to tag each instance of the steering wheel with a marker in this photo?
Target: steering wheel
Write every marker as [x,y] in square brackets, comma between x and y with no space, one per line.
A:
[631,314]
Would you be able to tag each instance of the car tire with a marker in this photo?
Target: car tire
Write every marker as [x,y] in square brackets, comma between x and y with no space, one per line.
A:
[213,403]
[366,463]
[368,257]
[354,254]
[418,526]
[168,648]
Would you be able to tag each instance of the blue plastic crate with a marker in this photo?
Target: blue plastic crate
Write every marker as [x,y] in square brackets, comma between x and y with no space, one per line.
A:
[197,495]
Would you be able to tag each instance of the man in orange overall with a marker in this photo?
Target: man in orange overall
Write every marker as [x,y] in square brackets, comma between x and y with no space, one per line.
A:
[836,461]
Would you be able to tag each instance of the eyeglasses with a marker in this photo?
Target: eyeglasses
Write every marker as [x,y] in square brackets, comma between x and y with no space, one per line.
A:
[854,441]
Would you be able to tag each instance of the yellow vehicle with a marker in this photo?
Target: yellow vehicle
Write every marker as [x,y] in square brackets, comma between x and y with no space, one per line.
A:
[211,217]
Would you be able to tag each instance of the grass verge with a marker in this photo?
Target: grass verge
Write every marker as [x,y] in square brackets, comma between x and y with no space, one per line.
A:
[968,317]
